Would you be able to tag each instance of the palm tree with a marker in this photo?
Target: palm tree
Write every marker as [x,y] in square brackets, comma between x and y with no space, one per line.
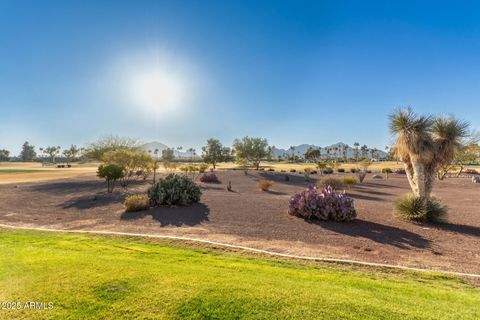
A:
[292,148]
[423,144]
[344,151]
[364,150]
[355,151]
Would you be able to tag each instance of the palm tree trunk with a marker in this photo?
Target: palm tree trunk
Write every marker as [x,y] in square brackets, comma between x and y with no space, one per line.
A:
[411,177]
[430,177]
[420,177]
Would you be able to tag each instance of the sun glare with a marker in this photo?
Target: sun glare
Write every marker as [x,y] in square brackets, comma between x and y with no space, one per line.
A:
[157,91]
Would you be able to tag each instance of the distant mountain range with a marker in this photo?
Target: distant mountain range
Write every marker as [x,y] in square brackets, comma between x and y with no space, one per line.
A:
[332,151]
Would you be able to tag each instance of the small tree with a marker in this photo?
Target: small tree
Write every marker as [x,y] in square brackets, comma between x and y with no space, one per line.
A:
[96,150]
[423,144]
[312,155]
[52,152]
[135,164]
[253,150]
[214,152]
[71,153]
[322,165]
[111,173]
[168,155]
[467,154]
[4,155]
[28,152]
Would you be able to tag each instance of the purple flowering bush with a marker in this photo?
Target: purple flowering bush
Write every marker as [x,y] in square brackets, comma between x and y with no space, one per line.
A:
[324,205]
[209,178]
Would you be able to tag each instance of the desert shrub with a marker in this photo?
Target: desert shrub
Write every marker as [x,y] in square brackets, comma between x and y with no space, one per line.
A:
[136,202]
[326,205]
[174,190]
[470,171]
[209,178]
[400,171]
[353,170]
[361,176]
[349,181]
[191,171]
[387,170]
[111,173]
[264,185]
[340,170]
[283,171]
[131,161]
[368,171]
[328,170]
[170,165]
[190,168]
[293,170]
[412,208]
[314,172]
[271,169]
[436,211]
[202,168]
[335,183]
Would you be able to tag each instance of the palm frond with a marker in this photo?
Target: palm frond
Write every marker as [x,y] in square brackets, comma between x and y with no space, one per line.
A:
[412,133]
[448,134]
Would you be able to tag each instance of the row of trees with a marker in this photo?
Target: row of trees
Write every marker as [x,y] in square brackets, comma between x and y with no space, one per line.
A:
[4,155]
[247,151]
[51,153]
[337,153]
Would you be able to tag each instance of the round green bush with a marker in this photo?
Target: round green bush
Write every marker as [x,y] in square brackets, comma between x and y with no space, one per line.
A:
[174,190]
[412,208]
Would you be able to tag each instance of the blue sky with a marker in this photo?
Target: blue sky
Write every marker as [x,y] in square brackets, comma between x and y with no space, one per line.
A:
[294,72]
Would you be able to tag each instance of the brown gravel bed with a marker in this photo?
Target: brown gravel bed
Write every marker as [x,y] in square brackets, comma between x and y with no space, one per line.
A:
[251,217]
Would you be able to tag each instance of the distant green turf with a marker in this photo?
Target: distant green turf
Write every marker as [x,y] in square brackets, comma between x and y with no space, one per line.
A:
[21,170]
[93,277]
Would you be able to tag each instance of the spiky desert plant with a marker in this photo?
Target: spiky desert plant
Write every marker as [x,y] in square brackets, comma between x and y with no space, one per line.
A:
[412,208]
[424,143]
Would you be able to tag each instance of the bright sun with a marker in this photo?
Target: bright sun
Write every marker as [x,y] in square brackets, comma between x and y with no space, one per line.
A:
[158,91]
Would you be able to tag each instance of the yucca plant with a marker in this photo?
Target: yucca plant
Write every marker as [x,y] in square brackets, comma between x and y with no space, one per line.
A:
[424,143]
[413,208]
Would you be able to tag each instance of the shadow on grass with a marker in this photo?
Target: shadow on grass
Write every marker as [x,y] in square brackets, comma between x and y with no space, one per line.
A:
[173,216]
[377,232]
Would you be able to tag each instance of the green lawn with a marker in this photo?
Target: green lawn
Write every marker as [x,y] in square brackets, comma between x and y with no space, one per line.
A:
[21,170]
[94,277]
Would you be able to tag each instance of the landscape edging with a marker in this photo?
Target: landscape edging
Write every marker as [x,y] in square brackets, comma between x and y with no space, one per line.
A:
[245,248]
